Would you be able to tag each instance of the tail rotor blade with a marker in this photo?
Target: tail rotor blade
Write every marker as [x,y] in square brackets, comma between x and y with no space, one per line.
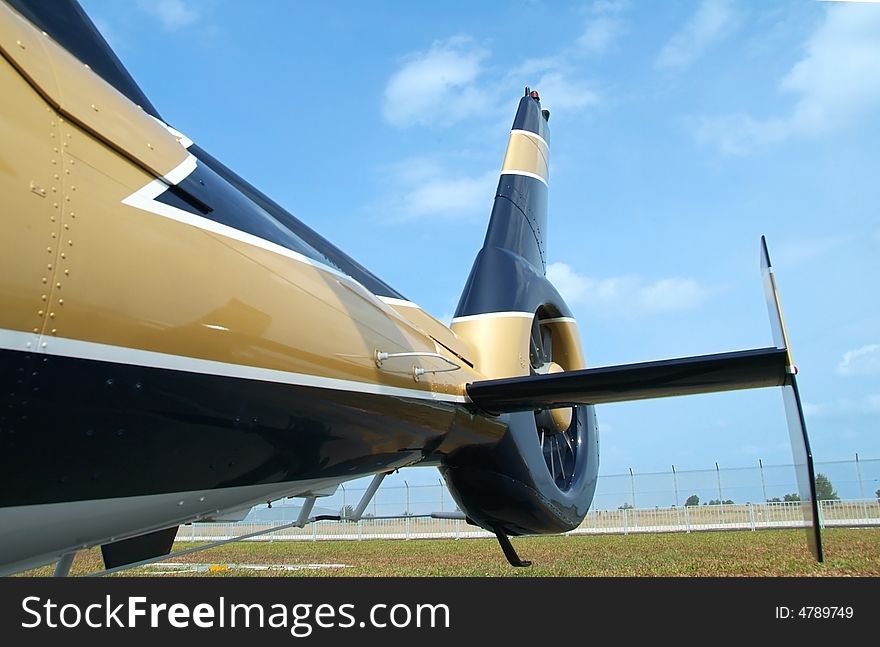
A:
[801,454]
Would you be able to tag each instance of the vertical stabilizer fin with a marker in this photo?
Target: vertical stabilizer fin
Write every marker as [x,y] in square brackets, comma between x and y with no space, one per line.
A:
[509,273]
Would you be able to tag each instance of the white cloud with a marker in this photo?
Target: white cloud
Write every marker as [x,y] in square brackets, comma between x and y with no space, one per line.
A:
[794,252]
[427,190]
[713,21]
[565,93]
[862,361]
[836,85]
[439,86]
[451,80]
[173,14]
[556,77]
[559,77]
[605,7]
[838,78]
[603,27]
[739,134]
[868,404]
[598,35]
[812,409]
[626,295]
[558,80]
[450,196]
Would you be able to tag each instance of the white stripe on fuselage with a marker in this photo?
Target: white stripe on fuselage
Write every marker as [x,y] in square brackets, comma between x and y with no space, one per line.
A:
[525,174]
[529,133]
[145,199]
[403,303]
[494,315]
[22,341]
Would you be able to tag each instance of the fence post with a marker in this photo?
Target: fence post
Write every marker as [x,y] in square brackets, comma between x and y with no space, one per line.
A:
[342,512]
[632,486]
[861,488]
[859,476]
[763,484]
[751,516]
[687,520]
[675,485]
[625,527]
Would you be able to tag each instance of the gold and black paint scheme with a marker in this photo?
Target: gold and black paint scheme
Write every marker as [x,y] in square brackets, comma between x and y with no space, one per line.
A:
[223,346]
[175,345]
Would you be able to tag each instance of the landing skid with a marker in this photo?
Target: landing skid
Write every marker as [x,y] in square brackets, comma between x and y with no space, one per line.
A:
[304,518]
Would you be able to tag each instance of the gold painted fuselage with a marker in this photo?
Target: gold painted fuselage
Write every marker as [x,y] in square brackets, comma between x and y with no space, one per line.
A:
[159,366]
[80,264]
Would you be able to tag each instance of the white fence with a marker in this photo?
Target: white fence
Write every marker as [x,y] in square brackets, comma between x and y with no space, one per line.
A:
[746,516]
[852,479]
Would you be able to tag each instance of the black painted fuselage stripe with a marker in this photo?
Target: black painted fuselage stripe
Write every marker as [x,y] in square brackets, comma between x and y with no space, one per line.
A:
[228,188]
[76,429]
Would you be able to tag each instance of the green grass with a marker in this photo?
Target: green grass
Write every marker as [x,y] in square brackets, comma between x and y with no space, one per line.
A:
[848,552]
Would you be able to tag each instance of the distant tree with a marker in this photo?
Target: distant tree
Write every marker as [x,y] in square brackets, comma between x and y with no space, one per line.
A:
[792,497]
[347,512]
[877,494]
[824,490]
[715,502]
[728,501]
[692,500]
[626,506]
[775,499]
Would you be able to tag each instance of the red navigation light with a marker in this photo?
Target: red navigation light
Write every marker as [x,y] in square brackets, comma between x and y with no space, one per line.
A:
[534,95]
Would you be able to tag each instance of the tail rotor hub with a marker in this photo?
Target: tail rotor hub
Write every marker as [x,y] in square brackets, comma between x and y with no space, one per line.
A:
[557,428]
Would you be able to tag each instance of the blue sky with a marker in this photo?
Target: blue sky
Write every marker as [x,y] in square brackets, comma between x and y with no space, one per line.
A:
[681,132]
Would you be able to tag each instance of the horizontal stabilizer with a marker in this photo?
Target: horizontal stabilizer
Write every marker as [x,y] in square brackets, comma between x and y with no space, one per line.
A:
[748,369]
